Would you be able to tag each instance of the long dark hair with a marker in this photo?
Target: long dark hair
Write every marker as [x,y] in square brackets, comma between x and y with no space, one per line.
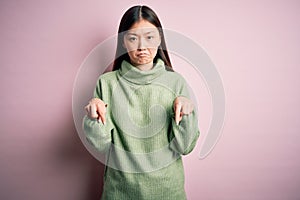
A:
[131,16]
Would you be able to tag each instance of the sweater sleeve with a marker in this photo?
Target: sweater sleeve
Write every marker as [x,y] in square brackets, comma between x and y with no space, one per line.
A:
[98,134]
[185,134]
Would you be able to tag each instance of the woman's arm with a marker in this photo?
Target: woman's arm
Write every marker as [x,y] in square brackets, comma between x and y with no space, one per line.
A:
[185,134]
[97,131]
[184,125]
[97,134]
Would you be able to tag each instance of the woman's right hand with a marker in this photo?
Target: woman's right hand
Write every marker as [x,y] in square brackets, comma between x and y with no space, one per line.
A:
[96,109]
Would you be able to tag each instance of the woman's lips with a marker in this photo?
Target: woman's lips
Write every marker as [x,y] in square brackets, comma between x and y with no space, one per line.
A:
[142,54]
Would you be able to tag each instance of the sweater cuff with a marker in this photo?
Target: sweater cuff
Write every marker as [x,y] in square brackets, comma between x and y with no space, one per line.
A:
[97,134]
[185,134]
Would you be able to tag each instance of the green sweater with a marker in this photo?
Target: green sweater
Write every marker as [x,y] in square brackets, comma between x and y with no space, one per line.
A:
[141,141]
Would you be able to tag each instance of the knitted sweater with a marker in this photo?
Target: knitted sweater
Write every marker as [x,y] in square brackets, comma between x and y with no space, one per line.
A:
[141,141]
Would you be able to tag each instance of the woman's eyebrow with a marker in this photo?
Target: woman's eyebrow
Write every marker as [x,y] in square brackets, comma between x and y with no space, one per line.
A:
[131,33]
[149,32]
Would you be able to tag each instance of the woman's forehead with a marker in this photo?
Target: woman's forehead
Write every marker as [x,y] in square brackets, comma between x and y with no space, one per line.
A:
[142,26]
[142,23]
[142,31]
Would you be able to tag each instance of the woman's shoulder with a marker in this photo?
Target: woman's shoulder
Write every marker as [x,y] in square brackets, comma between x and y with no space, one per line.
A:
[108,76]
[174,76]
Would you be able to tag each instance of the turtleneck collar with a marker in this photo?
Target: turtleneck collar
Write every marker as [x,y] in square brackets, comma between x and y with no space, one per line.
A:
[137,76]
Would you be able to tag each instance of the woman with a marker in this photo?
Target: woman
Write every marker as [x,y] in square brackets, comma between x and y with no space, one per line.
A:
[141,117]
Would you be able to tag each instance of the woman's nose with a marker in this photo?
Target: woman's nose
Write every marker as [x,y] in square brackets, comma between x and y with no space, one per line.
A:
[141,44]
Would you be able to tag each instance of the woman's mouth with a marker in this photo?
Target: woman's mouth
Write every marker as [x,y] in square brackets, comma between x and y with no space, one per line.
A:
[142,55]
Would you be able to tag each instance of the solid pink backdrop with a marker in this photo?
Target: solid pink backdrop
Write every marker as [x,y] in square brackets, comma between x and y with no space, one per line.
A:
[254,45]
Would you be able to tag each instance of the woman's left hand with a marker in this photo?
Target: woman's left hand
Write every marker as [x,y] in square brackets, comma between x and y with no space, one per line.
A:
[182,106]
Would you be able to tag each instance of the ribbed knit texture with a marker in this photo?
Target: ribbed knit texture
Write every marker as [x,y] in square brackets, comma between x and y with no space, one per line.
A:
[142,143]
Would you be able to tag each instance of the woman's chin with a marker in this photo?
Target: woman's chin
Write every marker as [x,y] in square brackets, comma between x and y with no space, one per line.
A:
[143,61]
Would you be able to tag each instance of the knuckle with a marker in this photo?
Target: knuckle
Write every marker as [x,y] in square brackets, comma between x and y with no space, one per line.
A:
[94,115]
[177,102]
[94,101]
[102,112]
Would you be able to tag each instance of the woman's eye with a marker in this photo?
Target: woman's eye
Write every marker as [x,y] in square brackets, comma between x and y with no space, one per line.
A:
[150,37]
[132,39]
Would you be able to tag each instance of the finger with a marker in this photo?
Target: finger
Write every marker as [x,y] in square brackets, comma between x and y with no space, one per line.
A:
[101,111]
[190,108]
[187,109]
[87,109]
[180,117]
[102,117]
[177,112]
[93,111]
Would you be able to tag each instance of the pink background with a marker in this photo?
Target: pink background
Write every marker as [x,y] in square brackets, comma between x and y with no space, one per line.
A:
[254,45]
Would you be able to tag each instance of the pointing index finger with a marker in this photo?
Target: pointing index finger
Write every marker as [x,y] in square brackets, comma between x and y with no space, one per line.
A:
[178,107]
[101,111]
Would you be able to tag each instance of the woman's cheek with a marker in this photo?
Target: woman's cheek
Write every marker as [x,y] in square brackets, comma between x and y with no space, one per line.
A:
[153,52]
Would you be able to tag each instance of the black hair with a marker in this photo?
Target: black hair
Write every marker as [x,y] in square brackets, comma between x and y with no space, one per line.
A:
[131,16]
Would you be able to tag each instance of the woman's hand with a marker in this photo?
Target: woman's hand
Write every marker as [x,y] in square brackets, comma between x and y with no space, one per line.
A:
[96,109]
[182,106]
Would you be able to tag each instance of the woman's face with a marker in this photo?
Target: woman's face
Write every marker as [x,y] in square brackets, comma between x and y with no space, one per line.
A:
[141,42]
